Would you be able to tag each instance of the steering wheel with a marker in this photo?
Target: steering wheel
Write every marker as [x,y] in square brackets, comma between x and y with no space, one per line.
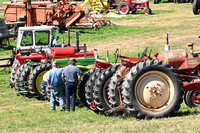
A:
[42,51]
[143,54]
[23,43]
[116,55]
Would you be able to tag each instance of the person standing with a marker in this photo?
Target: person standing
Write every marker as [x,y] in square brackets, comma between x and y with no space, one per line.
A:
[71,77]
[56,83]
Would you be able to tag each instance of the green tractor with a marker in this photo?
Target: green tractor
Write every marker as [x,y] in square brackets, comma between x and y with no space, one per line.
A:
[34,54]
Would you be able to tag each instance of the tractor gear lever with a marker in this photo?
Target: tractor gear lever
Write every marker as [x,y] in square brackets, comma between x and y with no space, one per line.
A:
[116,55]
[143,54]
[107,58]
[96,56]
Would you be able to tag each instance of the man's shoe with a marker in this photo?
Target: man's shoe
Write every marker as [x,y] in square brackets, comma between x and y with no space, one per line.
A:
[67,110]
[62,110]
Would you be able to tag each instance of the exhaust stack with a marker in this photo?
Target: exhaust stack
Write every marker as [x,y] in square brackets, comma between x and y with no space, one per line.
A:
[77,42]
[85,50]
[190,45]
[167,46]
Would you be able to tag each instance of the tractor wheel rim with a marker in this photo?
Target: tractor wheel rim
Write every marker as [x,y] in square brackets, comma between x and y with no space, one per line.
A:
[123,8]
[40,79]
[196,97]
[154,90]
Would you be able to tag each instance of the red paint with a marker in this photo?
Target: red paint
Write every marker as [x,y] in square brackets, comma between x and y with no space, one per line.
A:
[93,105]
[62,14]
[191,86]
[102,64]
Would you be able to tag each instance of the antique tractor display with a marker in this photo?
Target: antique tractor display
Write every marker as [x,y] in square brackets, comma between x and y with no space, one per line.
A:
[146,87]
[62,14]
[34,53]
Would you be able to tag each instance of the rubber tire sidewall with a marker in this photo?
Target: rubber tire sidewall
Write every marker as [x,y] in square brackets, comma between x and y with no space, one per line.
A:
[32,79]
[196,7]
[119,11]
[130,81]
[188,98]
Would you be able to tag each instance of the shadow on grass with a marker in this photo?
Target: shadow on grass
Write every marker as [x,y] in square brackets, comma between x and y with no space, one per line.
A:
[186,113]
[7,48]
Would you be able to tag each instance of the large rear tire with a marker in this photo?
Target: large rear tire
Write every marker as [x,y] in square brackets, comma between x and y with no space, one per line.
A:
[13,70]
[82,85]
[36,78]
[90,89]
[16,79]
[196,7]
[101,89]
[192,98]
[23,79]
[114,94]
[152,89]
[123,8]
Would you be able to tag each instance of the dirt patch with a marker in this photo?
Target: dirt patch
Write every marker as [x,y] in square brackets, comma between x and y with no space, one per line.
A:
[4,62]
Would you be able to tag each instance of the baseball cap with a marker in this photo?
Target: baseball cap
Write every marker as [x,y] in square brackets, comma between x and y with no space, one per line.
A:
[72,60]
[54,63]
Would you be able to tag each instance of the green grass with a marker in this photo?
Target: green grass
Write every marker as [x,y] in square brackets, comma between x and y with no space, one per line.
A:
[21,114]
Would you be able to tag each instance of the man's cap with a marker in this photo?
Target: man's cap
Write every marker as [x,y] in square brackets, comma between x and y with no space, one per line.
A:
[72,60]
[57,37]
[54,63]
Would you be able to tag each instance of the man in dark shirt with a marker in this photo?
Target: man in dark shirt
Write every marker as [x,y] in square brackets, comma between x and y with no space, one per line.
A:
[71,77]
[56,83]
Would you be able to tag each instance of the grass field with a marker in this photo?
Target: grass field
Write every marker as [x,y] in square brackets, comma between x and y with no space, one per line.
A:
[132,35]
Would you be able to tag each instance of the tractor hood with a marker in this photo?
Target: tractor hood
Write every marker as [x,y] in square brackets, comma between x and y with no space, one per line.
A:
[173,57]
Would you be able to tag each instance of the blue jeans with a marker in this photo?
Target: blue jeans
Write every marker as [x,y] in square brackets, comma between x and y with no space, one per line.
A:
[57,91]
[70,89]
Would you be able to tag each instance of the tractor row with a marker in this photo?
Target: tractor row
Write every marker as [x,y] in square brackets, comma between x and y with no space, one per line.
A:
[33,56]
[146,87]
[143,86]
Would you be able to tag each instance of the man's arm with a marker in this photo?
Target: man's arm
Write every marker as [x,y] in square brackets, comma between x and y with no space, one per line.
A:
[63,78]
[79,78]
[48,78]
[78,74]
[48,82]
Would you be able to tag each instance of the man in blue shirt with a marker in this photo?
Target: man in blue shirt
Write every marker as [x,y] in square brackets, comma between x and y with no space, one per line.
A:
[55,41]
[71,77]
[56,83]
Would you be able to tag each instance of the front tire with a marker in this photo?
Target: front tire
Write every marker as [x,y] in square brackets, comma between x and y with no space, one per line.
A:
[147,11]
[192,98]
[152,89]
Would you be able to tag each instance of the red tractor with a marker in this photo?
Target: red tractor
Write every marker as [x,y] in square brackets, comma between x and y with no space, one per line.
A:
[154,88]
[147,87]
[126,6]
